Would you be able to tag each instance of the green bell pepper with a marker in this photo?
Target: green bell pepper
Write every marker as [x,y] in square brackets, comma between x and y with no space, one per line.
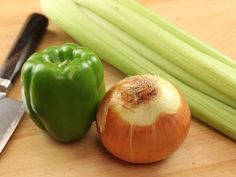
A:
[62,87]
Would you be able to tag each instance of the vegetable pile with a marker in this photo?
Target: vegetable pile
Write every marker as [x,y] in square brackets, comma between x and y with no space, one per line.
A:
[136,40]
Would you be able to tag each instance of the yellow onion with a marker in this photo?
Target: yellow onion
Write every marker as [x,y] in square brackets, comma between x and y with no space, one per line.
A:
[142,119]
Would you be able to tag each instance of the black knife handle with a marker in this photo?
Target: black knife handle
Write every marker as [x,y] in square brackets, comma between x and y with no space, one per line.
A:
[27,41]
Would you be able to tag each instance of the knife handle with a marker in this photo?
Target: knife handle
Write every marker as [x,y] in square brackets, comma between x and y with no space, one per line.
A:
[27,41]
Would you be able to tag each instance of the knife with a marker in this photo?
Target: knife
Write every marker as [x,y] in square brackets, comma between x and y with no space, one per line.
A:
[11,110]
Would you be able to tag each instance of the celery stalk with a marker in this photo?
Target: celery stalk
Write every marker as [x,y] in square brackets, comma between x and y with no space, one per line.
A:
[79,25]
[199,107]
[184,36]
[156,59]
[219,75]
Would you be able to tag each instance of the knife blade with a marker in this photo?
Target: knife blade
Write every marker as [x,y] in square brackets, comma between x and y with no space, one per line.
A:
[9,122]
[11,111]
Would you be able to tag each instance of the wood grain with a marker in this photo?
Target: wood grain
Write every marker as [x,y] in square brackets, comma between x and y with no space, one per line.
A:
[205,153]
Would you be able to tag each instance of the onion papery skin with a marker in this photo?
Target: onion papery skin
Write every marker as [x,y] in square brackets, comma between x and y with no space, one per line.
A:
[141,143]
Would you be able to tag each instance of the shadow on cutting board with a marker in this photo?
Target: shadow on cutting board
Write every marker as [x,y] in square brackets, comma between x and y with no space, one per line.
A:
[118,167]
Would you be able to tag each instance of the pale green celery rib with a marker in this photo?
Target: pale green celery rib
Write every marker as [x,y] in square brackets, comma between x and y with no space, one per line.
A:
[181,34]
[80,27]
[203,110]
[217,74]
[153,57]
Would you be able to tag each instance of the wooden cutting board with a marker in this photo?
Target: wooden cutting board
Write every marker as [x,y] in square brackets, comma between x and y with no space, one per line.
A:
[205,153]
